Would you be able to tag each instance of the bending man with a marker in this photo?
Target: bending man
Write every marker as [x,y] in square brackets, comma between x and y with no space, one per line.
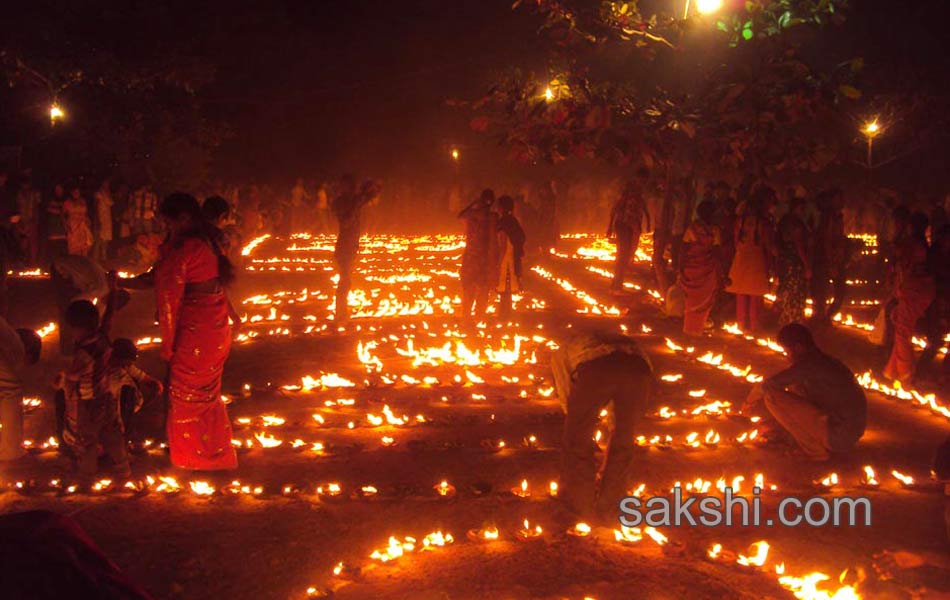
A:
[591,370]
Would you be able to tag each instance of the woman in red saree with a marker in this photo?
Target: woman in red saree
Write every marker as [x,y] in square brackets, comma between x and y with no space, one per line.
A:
[701,269]
[915,291]
[190,280]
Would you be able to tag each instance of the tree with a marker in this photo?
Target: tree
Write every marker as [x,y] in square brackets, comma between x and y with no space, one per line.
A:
[689,97]
[129,94]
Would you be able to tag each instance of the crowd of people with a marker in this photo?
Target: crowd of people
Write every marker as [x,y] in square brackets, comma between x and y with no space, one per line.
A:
[725,247]
[736,249]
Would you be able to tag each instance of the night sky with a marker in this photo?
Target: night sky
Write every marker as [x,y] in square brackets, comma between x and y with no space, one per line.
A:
[358,84]
[317,87]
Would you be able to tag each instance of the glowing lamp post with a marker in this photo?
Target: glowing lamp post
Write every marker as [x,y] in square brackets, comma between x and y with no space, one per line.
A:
[56,113]
[703,7]
[871,130]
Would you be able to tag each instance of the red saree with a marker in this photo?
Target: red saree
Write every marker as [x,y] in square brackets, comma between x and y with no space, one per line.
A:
[915,292]
[196,338]
[700,275]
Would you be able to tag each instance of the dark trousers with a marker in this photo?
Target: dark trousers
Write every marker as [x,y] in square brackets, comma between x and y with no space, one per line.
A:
[149,421]
[628,238]
[625,382]
[99,423]
[344,264]
[825,279]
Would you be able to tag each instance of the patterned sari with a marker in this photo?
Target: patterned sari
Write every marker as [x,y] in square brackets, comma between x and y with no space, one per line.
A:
[196,339]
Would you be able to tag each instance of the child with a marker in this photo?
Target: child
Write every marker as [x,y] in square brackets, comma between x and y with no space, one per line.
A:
[126,383]
[92,412]
[511,240]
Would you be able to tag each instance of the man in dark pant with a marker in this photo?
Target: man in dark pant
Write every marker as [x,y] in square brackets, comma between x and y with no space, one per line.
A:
[628,238]
[592,370]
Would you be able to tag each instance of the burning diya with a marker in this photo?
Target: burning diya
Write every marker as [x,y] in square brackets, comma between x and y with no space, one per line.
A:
[552,489]
[628,535]
[485,535]
[444,489]
[869,478]
[828,482]
[530,441]
[522,490]
[330,491]
[906,480]
[528,533]
[580,530]
[201,488]
[236,488]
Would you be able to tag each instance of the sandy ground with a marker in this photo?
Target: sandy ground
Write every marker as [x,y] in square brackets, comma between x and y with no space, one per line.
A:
[277,546]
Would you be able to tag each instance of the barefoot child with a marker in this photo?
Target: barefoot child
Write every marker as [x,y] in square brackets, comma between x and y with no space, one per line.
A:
[92,412]
[129,386]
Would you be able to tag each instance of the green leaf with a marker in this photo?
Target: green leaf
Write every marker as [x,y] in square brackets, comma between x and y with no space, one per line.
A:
[721,26]
[747,33]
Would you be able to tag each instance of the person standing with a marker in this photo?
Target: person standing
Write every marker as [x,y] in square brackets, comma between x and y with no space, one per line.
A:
[938,317]
[511,239]
[322,208]
[794,263]
[830,257]
[104,204]
[593,369]
[78,229]
[92,420]
[754,247]
[18,348]
[28,205]
[476,273]
[916,290]
[298,203]
[347,208]
[701,269]
[626,224]
[190,281]
[55,224]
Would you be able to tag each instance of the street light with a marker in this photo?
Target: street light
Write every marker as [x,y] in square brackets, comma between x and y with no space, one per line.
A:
[703,7]
[871,130]
[55,113]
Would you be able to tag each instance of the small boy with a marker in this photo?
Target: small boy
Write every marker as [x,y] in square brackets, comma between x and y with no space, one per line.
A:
[92,412]
[126,382]
[511,241]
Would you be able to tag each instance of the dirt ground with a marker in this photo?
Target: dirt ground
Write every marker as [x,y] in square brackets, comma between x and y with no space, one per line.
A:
[288,539]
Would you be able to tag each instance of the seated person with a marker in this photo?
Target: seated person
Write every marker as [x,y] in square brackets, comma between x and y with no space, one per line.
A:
[591,370]
[816,401]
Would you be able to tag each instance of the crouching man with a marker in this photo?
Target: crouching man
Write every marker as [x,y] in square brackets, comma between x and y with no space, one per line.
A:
[816,401]
[592,370]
